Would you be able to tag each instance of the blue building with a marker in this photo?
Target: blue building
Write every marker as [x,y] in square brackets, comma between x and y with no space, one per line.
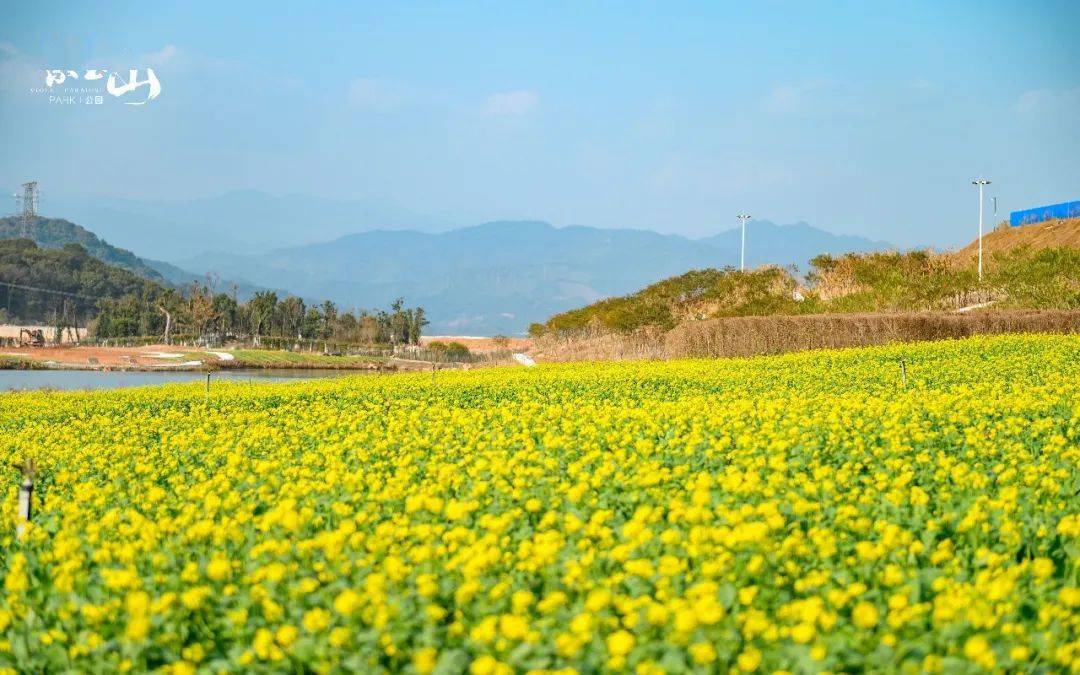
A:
[1041,213]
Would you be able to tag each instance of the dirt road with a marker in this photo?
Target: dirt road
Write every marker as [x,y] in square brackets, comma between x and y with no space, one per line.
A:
[151,356]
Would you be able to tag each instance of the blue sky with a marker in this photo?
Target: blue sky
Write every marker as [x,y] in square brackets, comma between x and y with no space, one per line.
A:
[861,118]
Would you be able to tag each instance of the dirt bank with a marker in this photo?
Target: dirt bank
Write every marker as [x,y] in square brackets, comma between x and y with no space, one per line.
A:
[482,345]
[756,335]
[168,357]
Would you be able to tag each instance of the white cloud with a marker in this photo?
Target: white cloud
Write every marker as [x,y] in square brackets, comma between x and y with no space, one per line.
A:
[1042,101]
[511,103]
[162,55]
[816,98]
[793,97]
[374,94]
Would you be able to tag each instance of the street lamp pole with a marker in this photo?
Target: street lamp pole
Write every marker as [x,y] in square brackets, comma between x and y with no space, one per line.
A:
[742,255]
[982,182]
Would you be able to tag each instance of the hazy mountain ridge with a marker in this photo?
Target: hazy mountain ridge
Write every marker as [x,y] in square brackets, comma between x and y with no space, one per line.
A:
[54,233]
[500,276]
[240,220]
[496,277]
[58,232]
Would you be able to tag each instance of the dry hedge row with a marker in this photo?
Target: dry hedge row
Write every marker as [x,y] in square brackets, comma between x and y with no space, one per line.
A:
[754,335]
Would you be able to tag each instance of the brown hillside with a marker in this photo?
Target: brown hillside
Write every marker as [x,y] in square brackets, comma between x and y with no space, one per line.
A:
[1049,234]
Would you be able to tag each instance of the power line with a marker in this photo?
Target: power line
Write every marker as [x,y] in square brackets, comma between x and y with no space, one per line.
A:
[55,292]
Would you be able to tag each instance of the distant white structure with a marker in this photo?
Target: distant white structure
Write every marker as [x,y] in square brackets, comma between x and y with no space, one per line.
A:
[524,359]
[981,183]
[743,217]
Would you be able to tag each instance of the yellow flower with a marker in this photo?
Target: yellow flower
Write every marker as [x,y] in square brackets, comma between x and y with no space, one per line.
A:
[512,627]
[286,635]
[654,506]
[708,611]
[864,615]
[977,649]
[194,653]
[137,603]
[16,580]
[582,624]
[339,637]
[747,594]
[262,643]
[1042,568]
[802,633]
[597,600]
[620,643]
[702,653]
[685,621]
[193,597]
[347,602]
[315,620]
[218,569]
[424,659]
[567,645]
[521,600]
[749,660]
[137,628]
[484,665]
[182,668]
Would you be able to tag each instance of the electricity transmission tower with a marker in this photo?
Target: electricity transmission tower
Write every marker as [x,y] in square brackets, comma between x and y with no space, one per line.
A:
[29,202]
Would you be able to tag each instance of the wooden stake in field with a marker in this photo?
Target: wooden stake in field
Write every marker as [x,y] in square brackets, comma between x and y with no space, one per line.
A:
[26,494]
[903,373]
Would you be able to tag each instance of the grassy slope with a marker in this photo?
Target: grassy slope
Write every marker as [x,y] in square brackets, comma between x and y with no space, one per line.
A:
[1035,266]
[1051,234]
[698,292]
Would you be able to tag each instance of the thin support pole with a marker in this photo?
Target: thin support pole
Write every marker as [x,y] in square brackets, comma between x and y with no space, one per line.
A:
[26,496]
[742,252]
[980,230]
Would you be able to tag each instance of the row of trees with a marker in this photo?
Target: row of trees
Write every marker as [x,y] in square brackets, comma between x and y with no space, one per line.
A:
[200,311]
[38,285]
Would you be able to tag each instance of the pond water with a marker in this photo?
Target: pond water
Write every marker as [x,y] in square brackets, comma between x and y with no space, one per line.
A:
[95,379]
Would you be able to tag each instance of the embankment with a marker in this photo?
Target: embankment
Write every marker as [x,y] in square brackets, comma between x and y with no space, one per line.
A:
[755,335]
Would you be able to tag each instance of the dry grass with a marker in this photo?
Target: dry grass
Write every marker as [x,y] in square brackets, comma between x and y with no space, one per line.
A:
[600,345]
[754,335]
[1049,234]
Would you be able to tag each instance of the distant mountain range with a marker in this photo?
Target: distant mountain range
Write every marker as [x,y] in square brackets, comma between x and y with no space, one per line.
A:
[501,276]
[240,220]
[493,278]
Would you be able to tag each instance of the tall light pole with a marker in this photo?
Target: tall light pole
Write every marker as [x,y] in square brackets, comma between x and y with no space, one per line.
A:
[742,256]
[982,182]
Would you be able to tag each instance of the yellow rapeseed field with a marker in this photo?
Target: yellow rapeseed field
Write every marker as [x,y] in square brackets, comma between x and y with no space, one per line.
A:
[802,513]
